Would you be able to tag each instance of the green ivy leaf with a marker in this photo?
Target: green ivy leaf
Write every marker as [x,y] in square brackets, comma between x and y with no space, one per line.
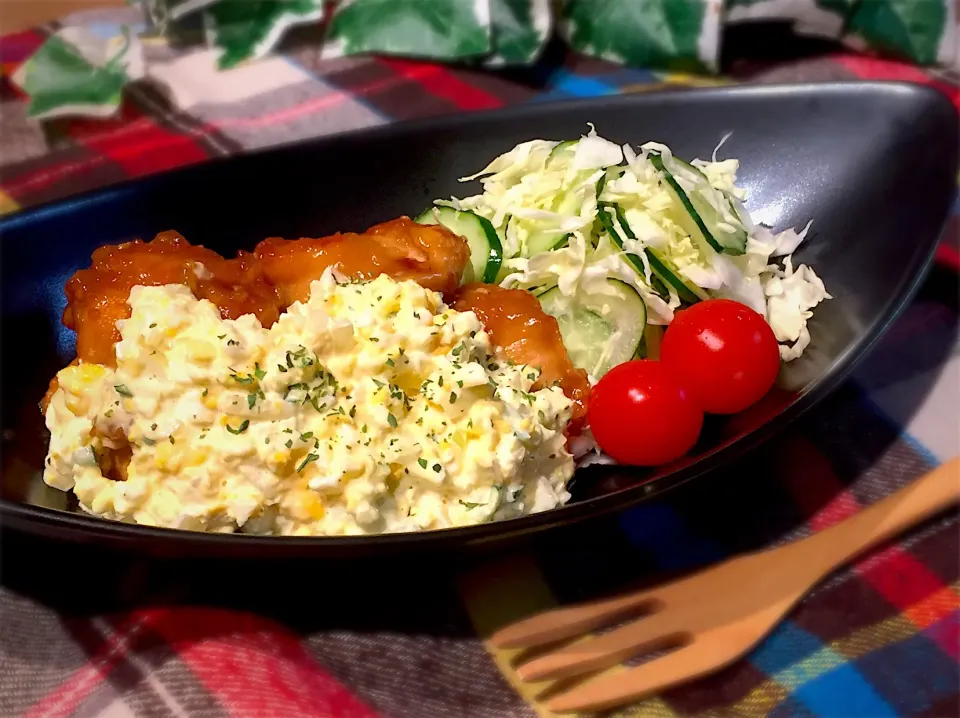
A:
[248,29]
[910,28]
[76,72]
[519,30]
[645,33]
[443,29]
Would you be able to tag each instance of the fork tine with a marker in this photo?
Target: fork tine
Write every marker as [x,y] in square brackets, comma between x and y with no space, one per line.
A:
[615,689]
[593,654]
[568,622]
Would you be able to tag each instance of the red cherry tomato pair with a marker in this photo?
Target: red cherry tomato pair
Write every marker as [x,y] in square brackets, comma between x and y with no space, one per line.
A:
[718,357]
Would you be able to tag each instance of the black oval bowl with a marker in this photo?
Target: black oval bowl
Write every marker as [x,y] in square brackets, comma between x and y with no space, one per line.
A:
[874,165]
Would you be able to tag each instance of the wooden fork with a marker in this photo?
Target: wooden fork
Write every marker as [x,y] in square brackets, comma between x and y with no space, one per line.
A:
[713,617]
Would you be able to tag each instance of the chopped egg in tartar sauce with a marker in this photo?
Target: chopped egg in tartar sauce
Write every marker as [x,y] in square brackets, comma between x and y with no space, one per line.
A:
[370,408]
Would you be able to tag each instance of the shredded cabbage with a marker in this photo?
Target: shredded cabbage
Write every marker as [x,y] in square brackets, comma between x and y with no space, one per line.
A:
[791,295]
[548,195]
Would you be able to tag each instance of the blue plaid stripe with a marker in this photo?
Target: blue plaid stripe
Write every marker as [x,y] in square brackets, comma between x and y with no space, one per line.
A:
[563,84]
[843,692]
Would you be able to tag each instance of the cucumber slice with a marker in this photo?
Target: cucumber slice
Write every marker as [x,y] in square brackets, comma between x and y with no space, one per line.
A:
[663,267]
[740,235]
[598,224]
[599,330]
[603,213]
[562,150]
[699,217]
[567,203]
[545,242]
[486,252]
[691,168]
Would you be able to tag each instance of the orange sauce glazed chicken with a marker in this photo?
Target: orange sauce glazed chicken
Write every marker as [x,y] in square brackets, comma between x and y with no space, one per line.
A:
[431,255]
[279,272]
[97,297]
[516,323]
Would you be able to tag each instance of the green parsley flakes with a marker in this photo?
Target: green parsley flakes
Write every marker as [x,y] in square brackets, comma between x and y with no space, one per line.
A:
[244,425]
[308,459]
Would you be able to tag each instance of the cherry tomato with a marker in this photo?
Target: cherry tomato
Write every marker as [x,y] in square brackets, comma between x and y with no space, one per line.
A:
[641,415]
[724,352]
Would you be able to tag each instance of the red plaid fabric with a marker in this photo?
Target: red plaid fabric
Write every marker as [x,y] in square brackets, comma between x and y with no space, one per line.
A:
[85,634]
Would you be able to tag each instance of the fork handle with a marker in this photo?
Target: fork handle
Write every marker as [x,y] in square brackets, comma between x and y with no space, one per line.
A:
[925,497]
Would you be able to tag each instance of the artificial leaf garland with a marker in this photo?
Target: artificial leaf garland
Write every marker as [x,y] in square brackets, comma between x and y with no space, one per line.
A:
[82,72]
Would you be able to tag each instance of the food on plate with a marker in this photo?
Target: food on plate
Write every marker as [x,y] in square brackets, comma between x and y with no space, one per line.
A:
[612,239]
[371,407]
[263,283]
[97,296]
[432,256]
[724,352]
[591,303]
[486,252]
[515,322]
[616,242]
[641,414]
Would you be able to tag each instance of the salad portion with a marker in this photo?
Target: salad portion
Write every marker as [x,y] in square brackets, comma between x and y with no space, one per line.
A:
[616,243]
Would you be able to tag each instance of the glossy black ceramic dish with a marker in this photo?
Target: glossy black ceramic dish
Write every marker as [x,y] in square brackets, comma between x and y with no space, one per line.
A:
[874,165]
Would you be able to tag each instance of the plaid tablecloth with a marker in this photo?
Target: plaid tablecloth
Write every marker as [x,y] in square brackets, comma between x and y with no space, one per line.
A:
[87,634]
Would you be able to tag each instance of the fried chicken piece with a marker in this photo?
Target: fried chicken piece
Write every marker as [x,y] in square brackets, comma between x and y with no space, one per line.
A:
[115,455]
[515,322]
[97,297]
[431,255]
